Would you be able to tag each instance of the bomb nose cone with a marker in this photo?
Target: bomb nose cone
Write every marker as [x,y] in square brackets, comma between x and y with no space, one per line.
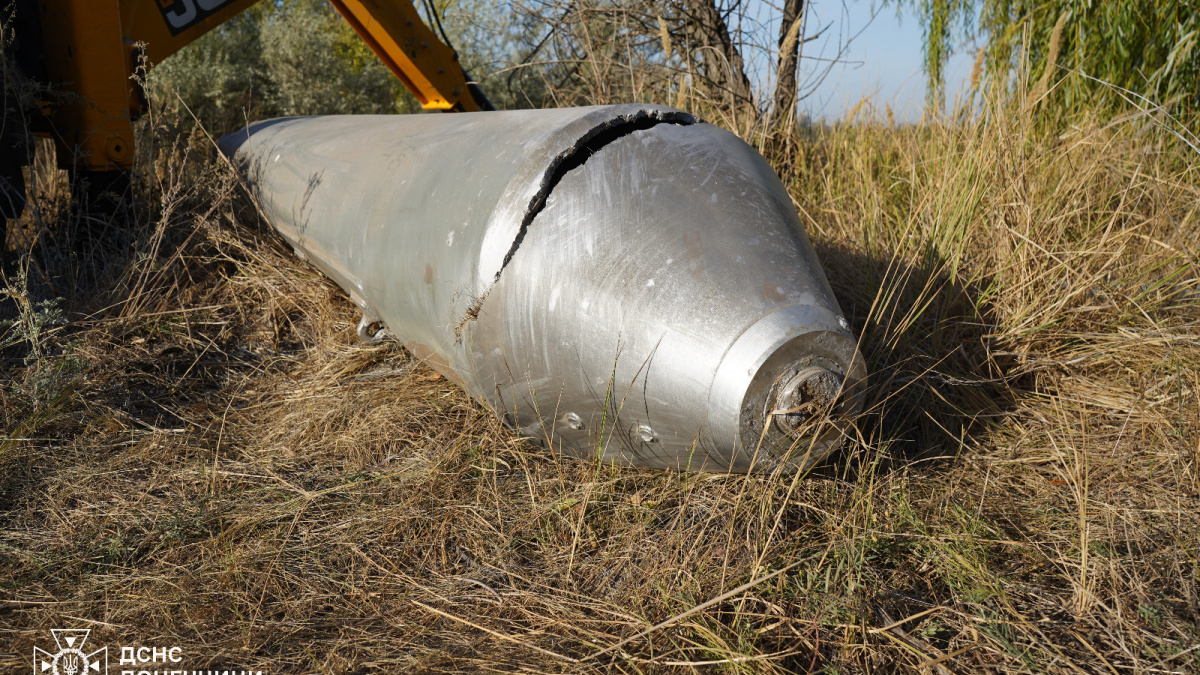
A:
[666,291]
[787,389]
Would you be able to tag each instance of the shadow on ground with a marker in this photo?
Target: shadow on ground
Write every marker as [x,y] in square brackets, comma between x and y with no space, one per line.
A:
[934,377]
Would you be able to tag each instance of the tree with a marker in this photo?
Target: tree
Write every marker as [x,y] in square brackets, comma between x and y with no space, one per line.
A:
[718,51]
[790,28]
[717,55]
[289,57]
[595,51]
[1149,48]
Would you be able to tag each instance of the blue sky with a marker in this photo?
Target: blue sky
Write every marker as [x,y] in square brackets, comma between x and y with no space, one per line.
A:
[883,61]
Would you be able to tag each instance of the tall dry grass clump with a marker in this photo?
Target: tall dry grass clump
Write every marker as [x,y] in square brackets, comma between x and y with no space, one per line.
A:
[197,452]
[1029,305]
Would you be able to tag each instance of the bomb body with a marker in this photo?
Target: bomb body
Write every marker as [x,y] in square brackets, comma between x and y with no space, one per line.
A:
[626,282]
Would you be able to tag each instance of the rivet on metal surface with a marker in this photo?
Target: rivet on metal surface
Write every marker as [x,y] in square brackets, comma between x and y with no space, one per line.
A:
[646,433]
[574,421]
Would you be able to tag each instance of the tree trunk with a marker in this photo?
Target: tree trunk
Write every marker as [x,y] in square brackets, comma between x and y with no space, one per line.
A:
[721,62]
[789,51]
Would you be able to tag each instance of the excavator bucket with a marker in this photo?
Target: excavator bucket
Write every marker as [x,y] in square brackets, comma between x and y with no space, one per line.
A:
[625,282]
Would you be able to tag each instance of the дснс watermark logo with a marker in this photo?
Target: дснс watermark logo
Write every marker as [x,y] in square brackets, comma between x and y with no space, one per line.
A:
[70,658]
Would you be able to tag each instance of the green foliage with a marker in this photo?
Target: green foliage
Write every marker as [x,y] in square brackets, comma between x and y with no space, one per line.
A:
[319,65]
[940,18]
[496,42]
[294,57]
[30,331]
[1146,48]
[299,57]
[32,321]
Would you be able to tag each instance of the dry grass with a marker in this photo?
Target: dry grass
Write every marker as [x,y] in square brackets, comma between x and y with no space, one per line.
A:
[203,455]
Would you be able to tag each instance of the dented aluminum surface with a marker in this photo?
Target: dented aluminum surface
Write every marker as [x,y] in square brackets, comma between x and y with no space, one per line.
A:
[625,281]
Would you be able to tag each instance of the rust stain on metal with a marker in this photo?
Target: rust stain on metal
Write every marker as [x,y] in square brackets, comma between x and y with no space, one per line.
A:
[695,254]
[771,292]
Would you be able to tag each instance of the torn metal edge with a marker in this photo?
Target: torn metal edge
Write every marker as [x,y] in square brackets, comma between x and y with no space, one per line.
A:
[608,131]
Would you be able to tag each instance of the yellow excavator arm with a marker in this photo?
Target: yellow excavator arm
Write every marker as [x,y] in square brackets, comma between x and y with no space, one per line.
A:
[409,49]
[92,48]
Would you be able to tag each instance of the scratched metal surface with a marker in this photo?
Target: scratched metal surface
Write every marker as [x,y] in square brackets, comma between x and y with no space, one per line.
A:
[414,214]
[619,270]
[661,276]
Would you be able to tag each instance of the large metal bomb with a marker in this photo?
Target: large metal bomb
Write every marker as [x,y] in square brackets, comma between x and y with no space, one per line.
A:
[624,281]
